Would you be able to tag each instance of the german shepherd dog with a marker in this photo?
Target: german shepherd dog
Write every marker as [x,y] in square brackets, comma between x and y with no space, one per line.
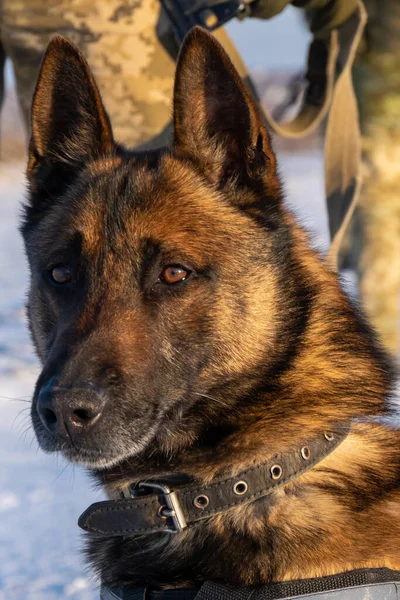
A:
[186,326]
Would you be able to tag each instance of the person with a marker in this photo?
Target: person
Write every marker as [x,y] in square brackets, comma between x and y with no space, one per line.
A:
[131,50]
[121,42]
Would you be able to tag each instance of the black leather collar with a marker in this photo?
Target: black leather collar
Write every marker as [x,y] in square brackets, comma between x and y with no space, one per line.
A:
[153,506]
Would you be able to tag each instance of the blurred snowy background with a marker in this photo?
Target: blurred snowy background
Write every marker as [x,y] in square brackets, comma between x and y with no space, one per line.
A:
[41,496]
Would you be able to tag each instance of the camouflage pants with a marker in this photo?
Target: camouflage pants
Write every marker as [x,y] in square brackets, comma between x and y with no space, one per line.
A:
[378,247]
[121,42]
[128,45]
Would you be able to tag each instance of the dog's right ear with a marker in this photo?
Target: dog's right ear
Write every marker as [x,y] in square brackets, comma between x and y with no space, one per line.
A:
[70,126]
[217,124]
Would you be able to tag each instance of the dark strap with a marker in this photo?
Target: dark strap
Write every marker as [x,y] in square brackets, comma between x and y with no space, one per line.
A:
[171,511]
[343,165]
[146,594]
[307,587]
[374,584]
[330,93]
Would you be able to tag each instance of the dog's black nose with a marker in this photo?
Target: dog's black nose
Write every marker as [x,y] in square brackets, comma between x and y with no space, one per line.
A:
[69,411]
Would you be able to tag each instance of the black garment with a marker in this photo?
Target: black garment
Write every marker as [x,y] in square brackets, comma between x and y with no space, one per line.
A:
[362,584]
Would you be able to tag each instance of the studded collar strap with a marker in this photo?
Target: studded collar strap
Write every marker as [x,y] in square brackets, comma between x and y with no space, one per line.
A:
[152,506]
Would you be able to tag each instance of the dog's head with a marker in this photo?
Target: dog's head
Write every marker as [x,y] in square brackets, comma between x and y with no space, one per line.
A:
[154,276]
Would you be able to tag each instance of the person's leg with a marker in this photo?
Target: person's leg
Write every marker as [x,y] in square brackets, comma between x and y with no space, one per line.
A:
[379,244]
[119,39]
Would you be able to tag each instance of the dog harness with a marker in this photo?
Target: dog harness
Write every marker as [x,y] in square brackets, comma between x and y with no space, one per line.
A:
[363,584]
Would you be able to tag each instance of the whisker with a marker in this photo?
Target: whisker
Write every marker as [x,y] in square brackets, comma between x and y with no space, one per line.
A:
[20,414]
[221,402]
[63,470]
[25,421]
[34,439]
[73,477]
[21,399]
[23,435]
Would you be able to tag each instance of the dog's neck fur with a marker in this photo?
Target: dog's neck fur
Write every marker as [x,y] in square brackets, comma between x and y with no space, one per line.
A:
[259,418]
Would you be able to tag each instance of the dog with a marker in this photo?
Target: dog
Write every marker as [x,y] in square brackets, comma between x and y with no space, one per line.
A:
[187,328]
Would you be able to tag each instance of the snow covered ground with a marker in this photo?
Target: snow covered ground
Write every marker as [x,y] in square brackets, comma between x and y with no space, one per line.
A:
[41,496]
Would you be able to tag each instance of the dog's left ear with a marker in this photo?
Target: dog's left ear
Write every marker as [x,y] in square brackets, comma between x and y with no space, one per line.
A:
[70,126]
[216,121]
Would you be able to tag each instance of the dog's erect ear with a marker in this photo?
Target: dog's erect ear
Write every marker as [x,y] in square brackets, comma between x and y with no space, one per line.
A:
[69,123]
[216,121]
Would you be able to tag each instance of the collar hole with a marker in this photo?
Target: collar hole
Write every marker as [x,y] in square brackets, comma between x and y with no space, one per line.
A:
[276,472]
[240,488]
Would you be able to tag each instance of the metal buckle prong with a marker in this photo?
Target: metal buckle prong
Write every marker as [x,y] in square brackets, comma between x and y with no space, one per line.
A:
[174,509]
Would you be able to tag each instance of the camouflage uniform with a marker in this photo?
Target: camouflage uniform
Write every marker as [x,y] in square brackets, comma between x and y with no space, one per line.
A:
[378,248]
[130,48]
[133,69]
[128,44]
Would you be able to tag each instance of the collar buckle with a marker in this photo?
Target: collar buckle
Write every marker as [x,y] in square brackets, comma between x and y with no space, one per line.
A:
[170,507]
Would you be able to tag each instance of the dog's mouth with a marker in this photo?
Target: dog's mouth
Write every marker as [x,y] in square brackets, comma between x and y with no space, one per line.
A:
[103,449]
[96,458]
[99,459]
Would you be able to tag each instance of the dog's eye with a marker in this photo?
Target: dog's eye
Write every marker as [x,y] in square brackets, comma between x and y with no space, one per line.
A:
[61,274]
[174,274]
